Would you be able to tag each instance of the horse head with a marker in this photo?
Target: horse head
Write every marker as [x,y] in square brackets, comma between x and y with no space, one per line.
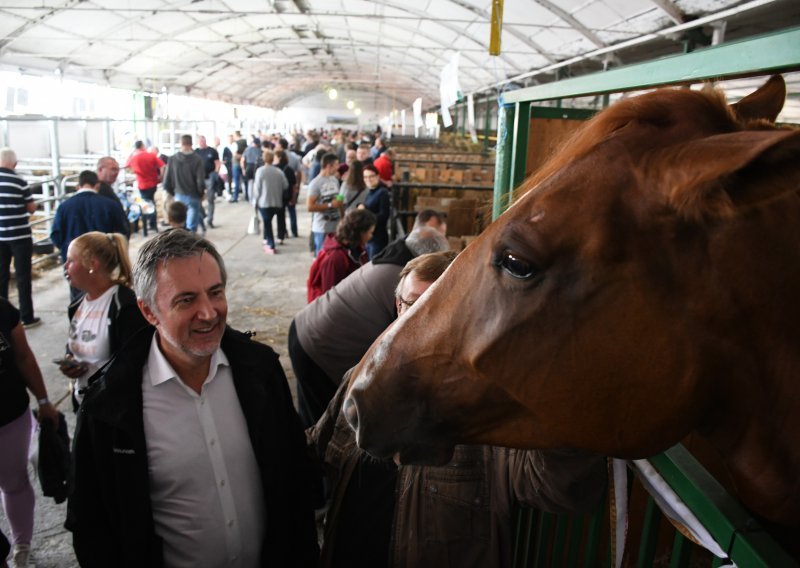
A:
[643,288]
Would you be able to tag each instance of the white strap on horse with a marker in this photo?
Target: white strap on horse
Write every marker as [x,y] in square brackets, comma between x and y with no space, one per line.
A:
[671,505]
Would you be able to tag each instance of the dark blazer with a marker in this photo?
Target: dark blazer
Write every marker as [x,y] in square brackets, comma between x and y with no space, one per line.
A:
[109,510]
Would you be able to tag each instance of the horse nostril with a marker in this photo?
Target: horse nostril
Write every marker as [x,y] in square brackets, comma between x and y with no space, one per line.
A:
[351,413]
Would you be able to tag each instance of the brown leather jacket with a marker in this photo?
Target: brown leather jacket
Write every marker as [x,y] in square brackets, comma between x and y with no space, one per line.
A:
[459,514]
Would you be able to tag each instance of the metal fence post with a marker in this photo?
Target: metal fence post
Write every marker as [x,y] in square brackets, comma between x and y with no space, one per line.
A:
[55,153]
[502,167]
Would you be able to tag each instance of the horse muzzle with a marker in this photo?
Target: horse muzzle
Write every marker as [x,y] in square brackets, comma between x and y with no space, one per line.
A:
[395,433]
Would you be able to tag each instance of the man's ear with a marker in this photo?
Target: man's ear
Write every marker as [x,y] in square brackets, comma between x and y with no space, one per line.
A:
[147,312]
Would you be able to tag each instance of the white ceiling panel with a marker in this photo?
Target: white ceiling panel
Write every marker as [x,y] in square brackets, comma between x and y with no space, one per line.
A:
[305,45]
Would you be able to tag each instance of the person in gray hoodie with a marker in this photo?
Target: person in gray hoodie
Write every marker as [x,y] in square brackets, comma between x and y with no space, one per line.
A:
[267,197]
[184,179]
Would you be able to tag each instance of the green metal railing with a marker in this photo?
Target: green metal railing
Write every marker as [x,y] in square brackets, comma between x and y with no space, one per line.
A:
[770,53]
[544,539]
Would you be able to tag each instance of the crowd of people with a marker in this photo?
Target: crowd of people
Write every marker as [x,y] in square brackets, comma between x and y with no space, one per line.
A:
[189,449]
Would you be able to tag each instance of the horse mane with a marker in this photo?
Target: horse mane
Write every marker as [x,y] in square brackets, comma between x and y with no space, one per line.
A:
[707,108]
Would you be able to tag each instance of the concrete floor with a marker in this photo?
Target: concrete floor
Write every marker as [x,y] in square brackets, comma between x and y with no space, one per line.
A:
[264,292]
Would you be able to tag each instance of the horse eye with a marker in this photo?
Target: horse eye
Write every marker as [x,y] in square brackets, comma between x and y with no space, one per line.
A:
[516,266]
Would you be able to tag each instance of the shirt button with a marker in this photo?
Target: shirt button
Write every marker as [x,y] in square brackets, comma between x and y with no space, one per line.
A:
[212,442]
[434,489]
[222,483]
[230,523]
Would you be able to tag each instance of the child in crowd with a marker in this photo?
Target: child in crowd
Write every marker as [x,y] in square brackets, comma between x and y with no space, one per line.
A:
[176,215]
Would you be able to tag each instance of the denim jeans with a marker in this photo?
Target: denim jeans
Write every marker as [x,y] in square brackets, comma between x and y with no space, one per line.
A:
[237,181]
[293,219]
[194,213]
[267,213]
[211,183]
[318,240]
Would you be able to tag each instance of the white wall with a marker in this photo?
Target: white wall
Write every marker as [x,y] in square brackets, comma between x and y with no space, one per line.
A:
[314,110]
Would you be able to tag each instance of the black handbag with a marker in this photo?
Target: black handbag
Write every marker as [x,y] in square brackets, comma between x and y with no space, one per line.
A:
[54,458]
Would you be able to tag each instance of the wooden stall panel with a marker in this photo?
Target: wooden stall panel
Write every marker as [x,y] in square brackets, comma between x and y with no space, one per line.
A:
[549,129]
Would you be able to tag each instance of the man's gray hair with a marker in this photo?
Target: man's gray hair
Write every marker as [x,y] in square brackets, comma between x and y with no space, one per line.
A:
[425,240]
[8,158]
[175,243]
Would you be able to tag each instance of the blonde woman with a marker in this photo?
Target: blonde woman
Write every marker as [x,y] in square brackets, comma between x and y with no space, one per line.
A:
[106,316]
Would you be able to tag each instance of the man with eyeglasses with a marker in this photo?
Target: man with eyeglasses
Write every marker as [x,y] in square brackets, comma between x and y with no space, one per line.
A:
[354,312]
[459,514]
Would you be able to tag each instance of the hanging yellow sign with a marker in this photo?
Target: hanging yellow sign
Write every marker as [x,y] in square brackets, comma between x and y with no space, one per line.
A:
[497,27]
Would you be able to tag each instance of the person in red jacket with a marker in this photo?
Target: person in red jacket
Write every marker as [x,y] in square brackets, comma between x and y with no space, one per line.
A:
[385,166]
[341,254]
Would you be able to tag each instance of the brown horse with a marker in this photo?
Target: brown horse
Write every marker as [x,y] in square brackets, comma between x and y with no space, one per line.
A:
[647,286]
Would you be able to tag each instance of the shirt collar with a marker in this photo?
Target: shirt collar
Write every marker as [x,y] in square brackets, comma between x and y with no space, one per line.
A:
[161,371]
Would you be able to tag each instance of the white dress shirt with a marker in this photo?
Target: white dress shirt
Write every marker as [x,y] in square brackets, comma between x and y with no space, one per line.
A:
[205,487]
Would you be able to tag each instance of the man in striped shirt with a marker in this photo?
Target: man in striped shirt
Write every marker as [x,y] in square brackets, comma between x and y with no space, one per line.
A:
[16,205]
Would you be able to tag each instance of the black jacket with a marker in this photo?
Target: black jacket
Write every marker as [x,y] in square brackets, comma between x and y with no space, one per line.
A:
[109,508]
[395,252]
[54,459]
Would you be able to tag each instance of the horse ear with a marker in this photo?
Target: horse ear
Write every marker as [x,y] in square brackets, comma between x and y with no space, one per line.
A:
[765,103]
[716,176]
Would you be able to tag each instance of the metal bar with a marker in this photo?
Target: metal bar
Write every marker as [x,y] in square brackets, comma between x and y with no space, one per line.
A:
[542,536]
[502,162]
[519,530]
[593,535]
[107,143]
[484,162]
[649,539]
[435,186]
[770,53]
[530,524]
[560,542]
[681,551]
[725,519]
[55,151]
[519,157]
[447,152]
[486,123]
[574,541]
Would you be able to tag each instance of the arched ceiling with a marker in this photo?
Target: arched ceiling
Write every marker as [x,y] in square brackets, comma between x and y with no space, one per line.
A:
[273,52]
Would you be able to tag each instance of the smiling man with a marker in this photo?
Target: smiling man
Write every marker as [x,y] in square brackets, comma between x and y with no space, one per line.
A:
[188,451]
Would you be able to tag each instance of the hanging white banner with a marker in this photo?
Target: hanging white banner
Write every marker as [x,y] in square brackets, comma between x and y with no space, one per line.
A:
[446,118]
[449,89]
[471,118]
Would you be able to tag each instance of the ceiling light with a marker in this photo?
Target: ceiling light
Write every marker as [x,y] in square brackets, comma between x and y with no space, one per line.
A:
[351,105]
[357,111]
[332,94]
